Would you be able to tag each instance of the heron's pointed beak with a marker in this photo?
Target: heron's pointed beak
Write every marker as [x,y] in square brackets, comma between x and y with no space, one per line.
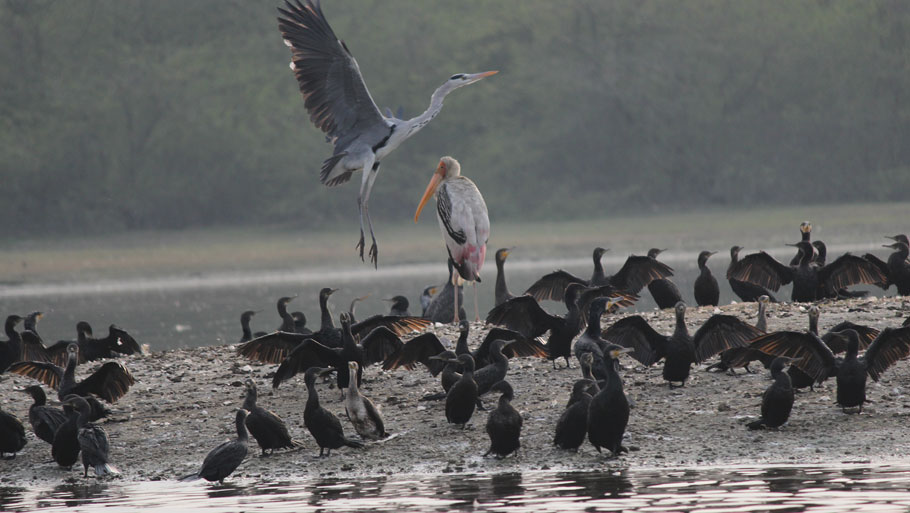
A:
[477,76]
[431,189]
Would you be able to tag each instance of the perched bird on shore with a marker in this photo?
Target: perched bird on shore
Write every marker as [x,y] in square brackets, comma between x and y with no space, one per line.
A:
[441,306]
[608,411]
[743,356]
[12,435]
[399,306]
[266,427]
[93,442]
[744,290]
[462,397]
[361,411]
[321,423]
[572,425]
[463,221]
[501,291]
[339,104]
[707,293]
[777,400]
[247,332]
[117,343]
[223,460]
[808,278]
[896,269]
[665,293]
[10,350]
[494,372]
[817,360]
[636,273]
[65,446]
[504,423]
[287,320]
[110,382]
[448,374]
[590,342]
[805,235]
[679,350]
[44,419]
[299,323]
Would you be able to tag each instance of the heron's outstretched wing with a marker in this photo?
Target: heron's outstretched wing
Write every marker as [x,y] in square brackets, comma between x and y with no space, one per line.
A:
[647,345]
[271,348]
[761,269]
[553,286]
[891,345]
[638,271]
[811,355]
[328,75]
[524,315]
[418,349]
[110,382]
[721,332]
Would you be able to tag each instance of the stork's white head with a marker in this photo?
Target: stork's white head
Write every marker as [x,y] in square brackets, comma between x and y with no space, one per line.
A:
[447,168]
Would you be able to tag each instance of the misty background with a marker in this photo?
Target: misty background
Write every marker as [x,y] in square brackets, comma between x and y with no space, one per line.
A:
[122,115]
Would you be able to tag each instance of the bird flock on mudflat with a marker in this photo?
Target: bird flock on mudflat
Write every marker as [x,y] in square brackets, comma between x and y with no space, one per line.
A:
[597,409]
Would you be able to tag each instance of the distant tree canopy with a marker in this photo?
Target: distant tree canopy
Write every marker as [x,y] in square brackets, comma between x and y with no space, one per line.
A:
[124,114]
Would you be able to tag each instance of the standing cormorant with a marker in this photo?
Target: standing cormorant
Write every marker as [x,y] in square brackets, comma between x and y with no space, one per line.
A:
[896,269]
[12,435]
[805,235]
[808,278]
[707,293]
[223,460]
[634,275]
[501,291]
[300,323]
[92,439]
[572,425]
[743,356]
[65,447]
[426,298]
[462,397]
[321,423]
[287,320]
[441,307]
[679,350]
[746,291]
[117,342]
[608,411]
[10,350]
[44,419]
[247,333]
[664,291]
[777,400]
[266,427]
[504,423]
[361,411]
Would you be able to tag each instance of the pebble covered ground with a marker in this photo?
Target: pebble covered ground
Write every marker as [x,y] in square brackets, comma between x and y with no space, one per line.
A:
[183,405]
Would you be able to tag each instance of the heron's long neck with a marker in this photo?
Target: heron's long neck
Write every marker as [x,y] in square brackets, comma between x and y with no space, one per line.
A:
[415,124]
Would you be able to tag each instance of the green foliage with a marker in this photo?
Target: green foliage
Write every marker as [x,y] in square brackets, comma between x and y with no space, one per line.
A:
[128,114]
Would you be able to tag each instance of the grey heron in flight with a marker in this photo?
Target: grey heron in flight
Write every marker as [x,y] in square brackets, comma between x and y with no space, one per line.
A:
[463,220]
[340,105]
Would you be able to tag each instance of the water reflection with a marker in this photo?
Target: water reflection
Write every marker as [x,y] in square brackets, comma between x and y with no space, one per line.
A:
[846,488]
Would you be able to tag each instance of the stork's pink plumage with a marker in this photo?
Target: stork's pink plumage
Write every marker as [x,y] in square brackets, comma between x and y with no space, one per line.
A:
[463,220]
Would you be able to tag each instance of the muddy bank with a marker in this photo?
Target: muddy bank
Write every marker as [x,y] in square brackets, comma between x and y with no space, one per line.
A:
[184,401]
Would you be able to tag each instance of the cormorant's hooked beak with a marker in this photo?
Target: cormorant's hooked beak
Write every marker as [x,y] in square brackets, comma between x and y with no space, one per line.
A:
[438,177]
[805,227]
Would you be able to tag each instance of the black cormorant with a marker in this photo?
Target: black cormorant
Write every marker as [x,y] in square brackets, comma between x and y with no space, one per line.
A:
[321,423]
[221,461]
[287,320]
[266,427]
[805,235]
[300,323]
[117,342]
[821,256]
[608,411]
[12,435]
[634,275]
[426,297]
[92,439]
[665,293]
[65,447]
[361,411]
[896,269]
[354,306]
[10,350]
[494,372]
[743,356]
[399,306]
[501,290]
[461,399]
[572,425]
[504,423]
[707,293]
[777,400]
[248,335]
[441,308]
[746,291]
[679,350]
[808,278]
[44,419]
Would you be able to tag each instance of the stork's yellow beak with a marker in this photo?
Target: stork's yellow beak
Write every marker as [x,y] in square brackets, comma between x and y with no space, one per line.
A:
[431,188]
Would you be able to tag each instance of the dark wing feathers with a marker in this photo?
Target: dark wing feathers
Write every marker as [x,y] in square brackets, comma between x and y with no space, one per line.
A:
[110,382]
[837,345]
[519,345]
[308,353]
[811,355]
[722,332]
[32,348]
[333,89]
[524,315]
[444,209]
[380,344]
[882,267]
[398,325]
[850,270]
[553,286]
[891,345]
[635,332]
[761,269]
[45,372]
[638,271]
[271,348]
[123,342]
[418,349]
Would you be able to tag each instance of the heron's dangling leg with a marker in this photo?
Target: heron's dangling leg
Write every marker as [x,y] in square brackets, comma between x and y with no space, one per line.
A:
[374,249]
[363,199]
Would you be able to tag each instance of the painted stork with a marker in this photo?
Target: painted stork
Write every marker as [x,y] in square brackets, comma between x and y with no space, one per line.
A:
[341,106]
[463,220]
